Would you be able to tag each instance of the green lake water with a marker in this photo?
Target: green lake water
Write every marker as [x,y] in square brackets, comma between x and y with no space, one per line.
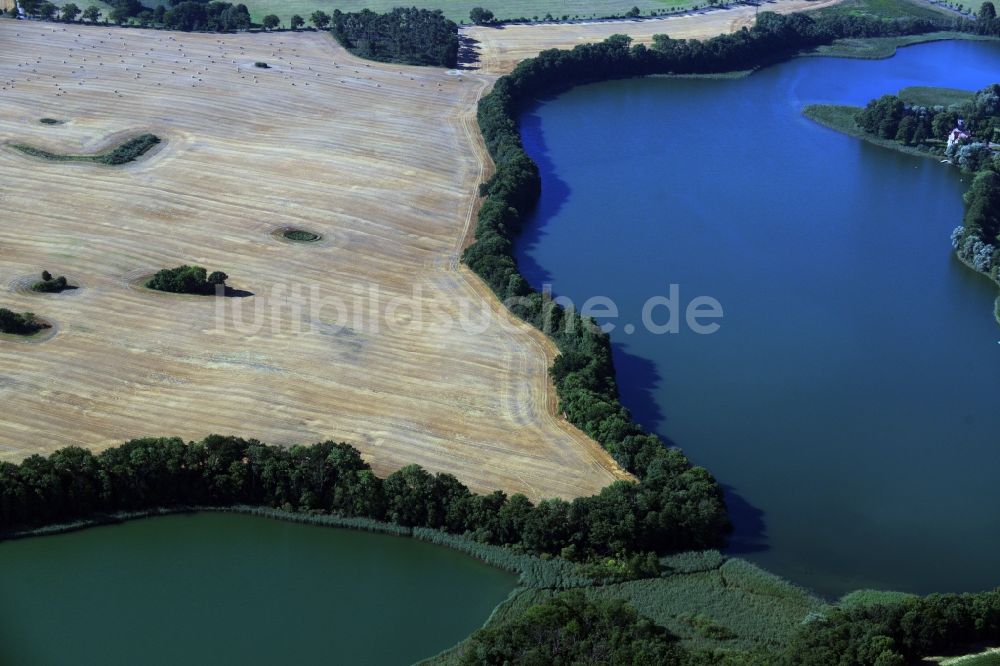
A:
[221,589]
[849,401]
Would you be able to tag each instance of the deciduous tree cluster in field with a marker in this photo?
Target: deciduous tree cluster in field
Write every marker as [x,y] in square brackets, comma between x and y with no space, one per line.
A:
[412,36]
[51,285]
[23,323]
[188,280]
[200,15]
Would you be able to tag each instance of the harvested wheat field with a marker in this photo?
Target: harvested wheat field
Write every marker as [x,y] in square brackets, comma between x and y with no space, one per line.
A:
[500,49]
[380,160]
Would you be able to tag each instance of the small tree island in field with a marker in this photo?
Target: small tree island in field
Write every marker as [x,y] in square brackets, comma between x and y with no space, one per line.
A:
[51,285]
[188,280]
[409,36]
[23,323]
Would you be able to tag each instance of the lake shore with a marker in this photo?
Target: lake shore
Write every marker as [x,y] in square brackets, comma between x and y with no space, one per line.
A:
[842,119]
[578,199]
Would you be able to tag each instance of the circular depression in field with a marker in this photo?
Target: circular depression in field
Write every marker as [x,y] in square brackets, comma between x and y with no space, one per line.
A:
[300,236]
[296,235]
[41,336]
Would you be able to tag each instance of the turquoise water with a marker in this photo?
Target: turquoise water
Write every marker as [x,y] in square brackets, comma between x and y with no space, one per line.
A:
[849,400]
[221,589]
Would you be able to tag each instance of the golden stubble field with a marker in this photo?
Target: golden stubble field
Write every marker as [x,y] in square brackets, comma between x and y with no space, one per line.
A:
[382,160]
[500,49]
[374,335]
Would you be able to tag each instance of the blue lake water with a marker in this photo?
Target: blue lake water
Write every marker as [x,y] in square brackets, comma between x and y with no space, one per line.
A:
[849,400]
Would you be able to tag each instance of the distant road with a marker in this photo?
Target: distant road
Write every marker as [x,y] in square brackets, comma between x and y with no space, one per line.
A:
[500,49]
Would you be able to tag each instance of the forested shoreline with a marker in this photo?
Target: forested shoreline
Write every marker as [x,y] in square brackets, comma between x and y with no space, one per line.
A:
[584,373]
[183,15]
[675,506]
[963,134]
[570,627]
[74,484]
[188,280]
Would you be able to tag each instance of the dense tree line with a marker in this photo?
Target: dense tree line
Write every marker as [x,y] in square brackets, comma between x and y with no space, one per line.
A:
[19,323]
[188,280]
[982,215]
[123,10]
[74,484]
[191,15]
[411,36]
[185,15]
[897,634]
[572,629]
[977,241]
[986,22]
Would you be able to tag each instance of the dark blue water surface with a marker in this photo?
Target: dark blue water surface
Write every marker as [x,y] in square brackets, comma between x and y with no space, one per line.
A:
[849,401]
